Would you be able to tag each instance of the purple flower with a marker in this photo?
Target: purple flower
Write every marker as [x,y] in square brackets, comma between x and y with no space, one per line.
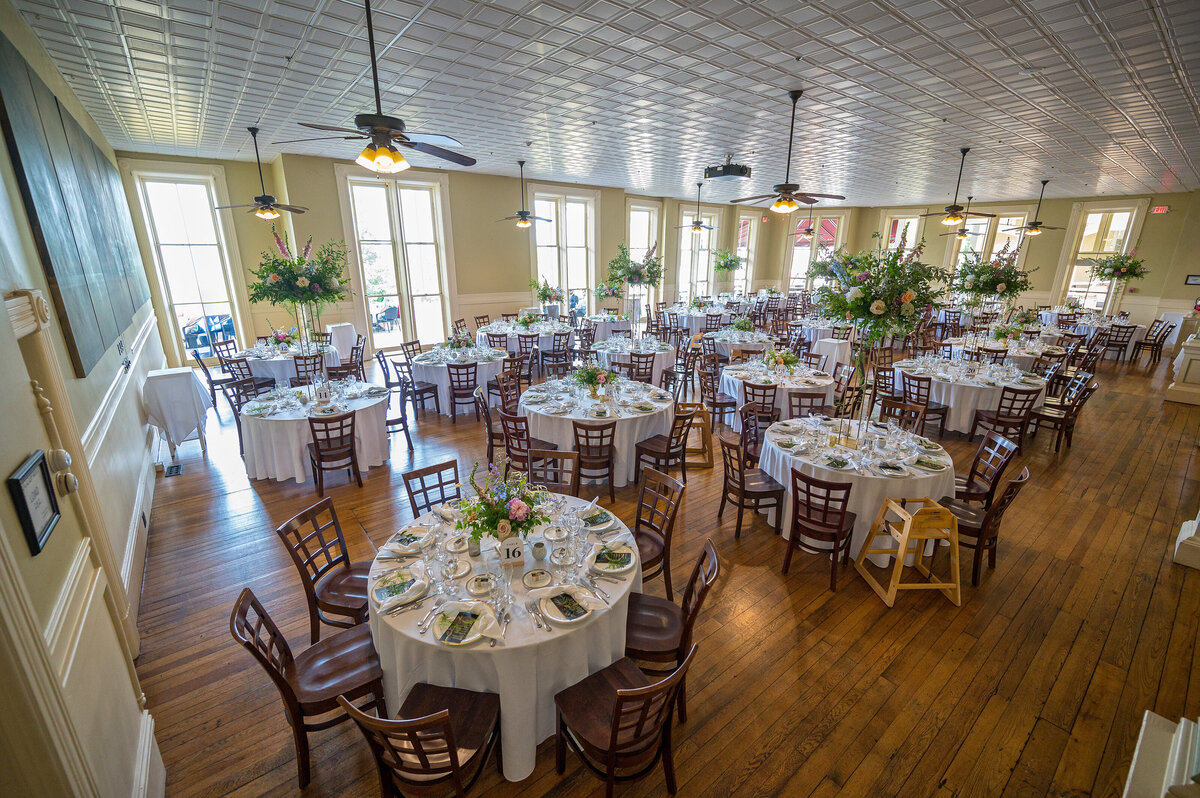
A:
[863,277]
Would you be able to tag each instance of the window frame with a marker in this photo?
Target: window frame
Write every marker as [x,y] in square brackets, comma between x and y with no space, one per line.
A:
[561,195]
[755,218]
[656,210]
[711,215]
[888,214]
[1073,238]
[842,215]
[989,236]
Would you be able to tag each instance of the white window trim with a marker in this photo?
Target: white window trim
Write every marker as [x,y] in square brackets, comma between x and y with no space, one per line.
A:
[133,172]
[755,218]
[592,197]
[789,243]
[1074,236]
[440,182]
[631,203]
[687,213]
[989,237]
[887,214]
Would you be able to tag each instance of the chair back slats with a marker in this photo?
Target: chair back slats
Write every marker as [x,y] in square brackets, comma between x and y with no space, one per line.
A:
[497,340]
[416,751]
[915,388]
[907,416]
[642,365]
[509,385]
[991,521]
[557,471]
[313,537]
[658,504]
[1016,403]
[765,396]
[804,403]
[254,628]
[463,378]
[482,320]
[818,507]
[680,426]
[704,575]
[641,714]
[733,458]
[332,435]
[239,367]
[526,343]
[411,349]
[594,441]
[431,485]
[993,456]
[814,360]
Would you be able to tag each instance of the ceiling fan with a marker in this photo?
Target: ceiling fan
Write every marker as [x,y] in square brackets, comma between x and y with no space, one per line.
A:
[697,224]
[807,233]
[1035,227]
[788,196]
[386,133]
[523,216]
[954,212]
[264,205]
[961,233]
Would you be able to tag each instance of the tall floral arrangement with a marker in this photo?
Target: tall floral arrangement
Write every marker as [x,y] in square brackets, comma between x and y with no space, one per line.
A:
[545,292]
[502,507]
[303,282]
[609,291]
[594,378]
[624,269]
[527,320]
[1120,267]
[999,276]
[742,324]
[726,261]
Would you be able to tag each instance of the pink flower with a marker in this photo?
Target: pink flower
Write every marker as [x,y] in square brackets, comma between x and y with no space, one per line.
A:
[281,246]
[307,248]
[518,510]
[601,378]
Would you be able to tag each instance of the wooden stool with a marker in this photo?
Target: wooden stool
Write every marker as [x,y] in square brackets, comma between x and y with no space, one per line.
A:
[701,423]
[924,522]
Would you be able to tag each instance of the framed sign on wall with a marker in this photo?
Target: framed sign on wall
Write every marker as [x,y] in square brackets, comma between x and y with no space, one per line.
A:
[32,491]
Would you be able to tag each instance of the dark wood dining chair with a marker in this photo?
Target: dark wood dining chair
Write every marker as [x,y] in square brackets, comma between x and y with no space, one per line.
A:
[557,471]
[641,366]
[482,320]
[239,393]
[491,428]
[747,488]
[1061,417]
[666,451]
[659,632]
[806,403]
[764,397]
[558,353]
[659,500]
[342,668]
[1118,341]
[751,435]
[440,740]
[819,512]
[1011,416]
[619,722]
[814,360]
[594,443]
[225,349]
[332,448]
[411,349]
[310,369]
[718,403]
[1153,344]
[907,416]
[214,381]
[431,485]
[915,389]
[992,457]
[239,367]
[334,587]
[518,442]
[979,529]
[464,379]
[418,392]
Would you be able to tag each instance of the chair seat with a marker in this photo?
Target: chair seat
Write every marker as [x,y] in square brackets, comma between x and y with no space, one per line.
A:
[653,627]
[758,482]
[655,444]
[328,456]
[1050,413]
[473,715]
[964,490]
[337,664]
[587,707]
[968,515]
[724,399]
[423,387]
[344,590]
[650,549]
[538,443]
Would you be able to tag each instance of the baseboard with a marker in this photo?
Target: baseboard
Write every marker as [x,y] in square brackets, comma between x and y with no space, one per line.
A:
[150,776]
[133,563]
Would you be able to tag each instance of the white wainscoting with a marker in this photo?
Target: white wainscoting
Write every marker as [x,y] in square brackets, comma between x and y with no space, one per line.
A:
[468,306]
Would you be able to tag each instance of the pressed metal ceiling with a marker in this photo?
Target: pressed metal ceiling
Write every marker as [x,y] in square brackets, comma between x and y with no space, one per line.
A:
[1098,95]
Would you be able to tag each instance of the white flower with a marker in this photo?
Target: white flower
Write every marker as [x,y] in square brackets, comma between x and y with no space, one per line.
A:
[503,529]
[968,283]
[853,294]
[878,307]
[907,309]
[1000,288]
[302,282]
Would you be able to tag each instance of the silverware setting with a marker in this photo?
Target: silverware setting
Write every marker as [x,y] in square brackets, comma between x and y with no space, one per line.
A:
[405,607]
[533,614]
[424,624]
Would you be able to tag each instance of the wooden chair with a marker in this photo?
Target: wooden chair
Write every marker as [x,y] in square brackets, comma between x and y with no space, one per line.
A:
[558,353]
[332,448]
[766,397]
[659,632]
[495,437]
[417,391]
[309,369]
[356,358]
[557,471]
[220,380]
[556,371]
[992,457]
[518,442]
[1011,416]
[398,422]
[431,485]
[1153,345]
[708,346]
[618,720]
[225,350]
[410,349]
[239,368]
[747,488]
[585,336]
[460,326]
[806,403]
[334,587]
[527,347]
[594,443]
[347,371]
[978,529]
[464,379]
[659,500]
[238,393]
[1062,418]
[915,390]
[499,341]
[482,320]
[907,416]
[322,338]
[814,360]
[641,366]
[441,740]
[717,402]
[751,435]
[666,451]
[506,387]
[385,369]
[509,316]
[842,332]
[330,673]
[819,512]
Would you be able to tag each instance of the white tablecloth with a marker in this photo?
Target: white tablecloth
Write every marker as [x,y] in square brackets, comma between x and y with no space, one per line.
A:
[605,328]
[815,330]
[275,446]
[439,375]
[632,426]
[964,398]
[177,403]
[342,335]
[866,494]
[282,369]
[726,342]
[1177,320]
[544,329]
[695,321]
[526,670]
[734,384]
[835,350]
[662,360]
[1138,334]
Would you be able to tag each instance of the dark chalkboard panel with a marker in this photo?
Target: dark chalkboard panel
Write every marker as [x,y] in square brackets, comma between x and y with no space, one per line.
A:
[78,213]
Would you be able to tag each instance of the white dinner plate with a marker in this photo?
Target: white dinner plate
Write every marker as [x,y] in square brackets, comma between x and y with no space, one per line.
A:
[441,623]
[618,548]
[551,611]
[603,525]
[538,577]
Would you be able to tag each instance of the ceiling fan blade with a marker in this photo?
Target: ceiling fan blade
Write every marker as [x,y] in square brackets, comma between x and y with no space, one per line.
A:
[315,126]
[508,218]
[754,199]
[430,138]
[247,205]
[984,215]
[1049,227]
[951,233]
[820,196]
[683,227]
[290,208]
[321,138]
[540,219]
[438,152]
[1012,229]
[935,213]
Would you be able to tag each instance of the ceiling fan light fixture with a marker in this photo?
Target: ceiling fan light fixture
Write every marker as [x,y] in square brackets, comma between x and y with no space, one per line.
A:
[383,159]
[524,223]
[785,205]
[952,219]
[1033,231]
[961,235]
[267,213]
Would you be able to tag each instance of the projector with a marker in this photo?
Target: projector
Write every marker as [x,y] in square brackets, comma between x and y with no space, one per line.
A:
[727,169]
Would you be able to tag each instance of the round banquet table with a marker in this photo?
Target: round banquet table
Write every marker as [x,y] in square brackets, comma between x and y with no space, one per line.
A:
[835,350]
[867,492]
[695,321]
[544,329]
[526,670]
[733,382]
[275,444]
[729,340]
[607,325]
[551,413]
[1019,354]
[816,329]
[1138,334]
[282,368]
[964,396]
[616,350]
[428,367]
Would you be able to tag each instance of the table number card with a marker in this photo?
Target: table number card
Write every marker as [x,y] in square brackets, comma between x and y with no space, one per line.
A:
[512,551]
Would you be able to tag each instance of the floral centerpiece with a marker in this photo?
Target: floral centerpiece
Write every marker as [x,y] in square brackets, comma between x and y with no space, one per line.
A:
[726,261]
[1073,303]
[997,277]
[546,293]
[459,340]
[304,283]
[594,378]
[742,324]
[623,269]
[1120,267]
[698,304]
[1004,332]
[281,337]
[527,319]
[1026,317]
[502,507]
[609,291]
[785,359]
[773,291]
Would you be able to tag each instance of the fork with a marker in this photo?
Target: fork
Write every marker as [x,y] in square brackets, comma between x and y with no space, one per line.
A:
[533,614]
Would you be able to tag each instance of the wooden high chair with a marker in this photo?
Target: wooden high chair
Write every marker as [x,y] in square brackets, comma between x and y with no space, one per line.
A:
[918,521]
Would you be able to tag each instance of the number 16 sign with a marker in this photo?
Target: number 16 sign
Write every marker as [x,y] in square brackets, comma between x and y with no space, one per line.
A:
[512,551]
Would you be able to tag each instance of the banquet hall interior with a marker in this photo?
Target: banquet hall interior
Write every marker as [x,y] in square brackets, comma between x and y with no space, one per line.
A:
[594,397]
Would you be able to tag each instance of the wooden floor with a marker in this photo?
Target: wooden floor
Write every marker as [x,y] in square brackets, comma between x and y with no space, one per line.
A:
[1036,685]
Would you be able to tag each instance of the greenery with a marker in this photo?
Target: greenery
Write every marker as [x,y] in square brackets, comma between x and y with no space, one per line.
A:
[786,359]
[502,507]
[698,303]
[742,324]
[623,269]
[1120,267]
[609,291]
[527,319]
[726,261]
[996,277]
[1026,318]
[545,292]
[593,377]
[303,283]
[459,340]
[1003,332]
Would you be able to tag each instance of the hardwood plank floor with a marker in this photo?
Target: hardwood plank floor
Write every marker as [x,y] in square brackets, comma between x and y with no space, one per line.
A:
[1035,685]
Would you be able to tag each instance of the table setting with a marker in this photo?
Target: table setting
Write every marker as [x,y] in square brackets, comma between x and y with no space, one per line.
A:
[694,319]
[431,366]
[747,340]
[1020,352]
[880,461]
[608,323]
[275,427]
[617,350]
[799,378]
[816,328]
[965,387]
[523,617]
[276,361]
[544,329]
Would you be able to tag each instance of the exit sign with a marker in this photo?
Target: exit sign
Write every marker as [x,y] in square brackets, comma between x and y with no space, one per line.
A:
[1160,209]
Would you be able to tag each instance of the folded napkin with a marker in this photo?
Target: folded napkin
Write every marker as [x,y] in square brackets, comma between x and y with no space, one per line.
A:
[485,624]
[400,544]
[585,598]
[446,512]
[386,594]
[616,545]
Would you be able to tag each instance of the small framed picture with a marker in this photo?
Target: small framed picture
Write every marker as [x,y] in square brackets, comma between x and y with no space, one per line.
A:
[1192,279]
[32,491]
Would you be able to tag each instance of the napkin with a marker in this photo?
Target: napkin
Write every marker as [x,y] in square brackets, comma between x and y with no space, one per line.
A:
[585,598]
[446,512]
[414,590]
[615,545]
[485,624]
[405,549]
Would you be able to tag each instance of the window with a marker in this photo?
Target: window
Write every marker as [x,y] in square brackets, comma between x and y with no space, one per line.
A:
[828,234]
[1005,236]
[1104,234]
[695,255]
[191,258]
[565,244]
[747,234]
[398,235]
[643,234]
[976,240]
[896,227]
[986,236]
